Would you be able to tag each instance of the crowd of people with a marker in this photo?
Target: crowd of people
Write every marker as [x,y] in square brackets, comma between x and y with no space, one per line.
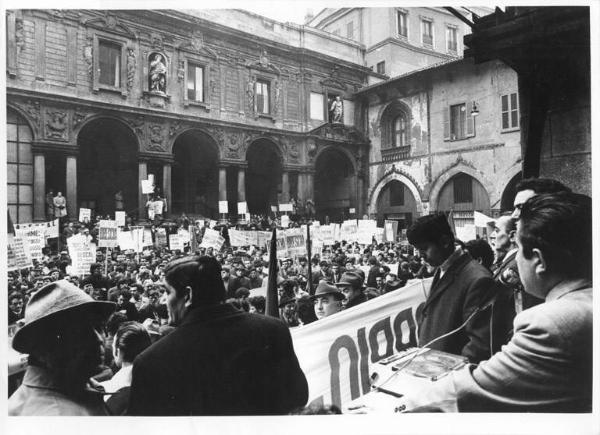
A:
[194,312]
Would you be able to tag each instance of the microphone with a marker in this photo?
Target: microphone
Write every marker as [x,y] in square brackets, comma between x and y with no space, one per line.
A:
[420,349]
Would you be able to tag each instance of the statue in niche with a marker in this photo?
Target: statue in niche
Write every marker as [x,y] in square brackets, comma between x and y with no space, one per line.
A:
[158,74]
[336,110]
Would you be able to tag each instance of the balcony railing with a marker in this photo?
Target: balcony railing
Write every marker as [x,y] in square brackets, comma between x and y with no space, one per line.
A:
[397,153]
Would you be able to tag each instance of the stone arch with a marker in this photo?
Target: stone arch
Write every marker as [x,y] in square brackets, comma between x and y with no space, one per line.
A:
[343,150]
[275,146]
[35,129]
[335,183]
[505,178]
[98,116]
[443,178]
[394,174]
[386,117]
[212,143]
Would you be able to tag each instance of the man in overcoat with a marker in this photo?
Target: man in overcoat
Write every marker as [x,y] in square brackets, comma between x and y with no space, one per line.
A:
[460,291]
[219,360]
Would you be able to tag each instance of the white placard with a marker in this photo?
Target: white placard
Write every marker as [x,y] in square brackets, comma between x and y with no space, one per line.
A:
[175,242]
[120,218]
[147,186]
[85,214]
[223,207]
[352,210]
[242,207]
[285,221]
[107,234]
[286,207]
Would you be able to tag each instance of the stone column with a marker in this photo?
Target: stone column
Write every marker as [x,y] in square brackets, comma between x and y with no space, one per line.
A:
[241,187]
[39,187]
[167,185]
[285,187]
[301,188]
[71,193]
[222,183]
[310,186]
[142,175]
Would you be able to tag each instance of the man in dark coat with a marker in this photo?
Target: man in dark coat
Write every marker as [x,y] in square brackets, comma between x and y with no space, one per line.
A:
[459,294]
[219,360]
[351,285]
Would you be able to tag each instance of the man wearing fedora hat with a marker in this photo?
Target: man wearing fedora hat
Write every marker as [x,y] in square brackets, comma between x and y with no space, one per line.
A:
[351,285]
[327,300]
[63,335]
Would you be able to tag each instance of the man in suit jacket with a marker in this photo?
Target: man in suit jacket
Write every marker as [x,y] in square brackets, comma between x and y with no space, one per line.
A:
[459,293]
[547,365]
[219,360]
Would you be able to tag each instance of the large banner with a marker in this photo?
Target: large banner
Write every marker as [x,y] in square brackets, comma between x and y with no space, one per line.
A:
[212,239]
[35,240]
[50,229]
[337,353]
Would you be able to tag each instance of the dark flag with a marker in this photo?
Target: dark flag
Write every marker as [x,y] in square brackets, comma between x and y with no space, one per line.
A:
[311,290]
[272,308]
[11,227]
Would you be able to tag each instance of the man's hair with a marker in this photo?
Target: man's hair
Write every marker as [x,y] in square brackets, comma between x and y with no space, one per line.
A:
[202,274]
[560,226]
[479,248]
[541,185]
[131,339]
[429,228]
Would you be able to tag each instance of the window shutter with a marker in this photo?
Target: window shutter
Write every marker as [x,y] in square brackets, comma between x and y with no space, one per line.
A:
[470,121]
[447,123]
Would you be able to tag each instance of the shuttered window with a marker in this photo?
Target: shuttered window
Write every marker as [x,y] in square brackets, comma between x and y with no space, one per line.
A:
[463,189]
[510,111]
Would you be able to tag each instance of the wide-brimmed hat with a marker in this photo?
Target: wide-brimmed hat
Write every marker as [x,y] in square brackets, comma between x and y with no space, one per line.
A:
[326,288]
[352,279]
[50,303]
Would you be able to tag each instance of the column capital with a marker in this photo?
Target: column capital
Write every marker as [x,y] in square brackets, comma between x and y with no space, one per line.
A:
[62,148]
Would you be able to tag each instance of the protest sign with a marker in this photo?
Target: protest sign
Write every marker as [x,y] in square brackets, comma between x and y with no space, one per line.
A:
[295,242]
[17,255]
[107,234]
[125,240]
[120,218]
[482,221]
[466,232]
[137,236]
[336,231]
[175,242]
[348,231]
[160,237]
[157,207]
[274,208]
[82,254]
[286,207]
[285,221]
[223,207]
[326,233]
[212,239]
[85,214]
[352,210]
[147,239]
[366,230]
[391,229]
[147,186]
[49,229]
[239,238]
[242,207]
[263,238]
[34,240]
[378,235]
[337,353]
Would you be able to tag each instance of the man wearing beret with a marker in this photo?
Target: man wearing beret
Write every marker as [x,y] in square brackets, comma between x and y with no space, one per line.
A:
[327,300]
[219,360]
[63,335]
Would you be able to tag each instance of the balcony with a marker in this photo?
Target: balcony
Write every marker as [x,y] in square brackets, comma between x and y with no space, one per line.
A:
[394,154]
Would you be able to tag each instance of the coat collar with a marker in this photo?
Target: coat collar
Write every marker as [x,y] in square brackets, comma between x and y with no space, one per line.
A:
[446,280]
[209,312]
[567,286]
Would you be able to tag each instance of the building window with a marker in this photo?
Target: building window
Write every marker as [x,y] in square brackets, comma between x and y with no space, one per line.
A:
[427,32]
[463,189]
[317,106]
[195,82]
[350,30]
[458,116]
[262,97]
[19,169]
[109,63]
[396,194]
[402,24]
[451,39]
[399,131]
[510,111]
[381,67]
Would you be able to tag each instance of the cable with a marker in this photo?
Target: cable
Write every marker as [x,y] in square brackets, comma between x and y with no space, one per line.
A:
[421,348]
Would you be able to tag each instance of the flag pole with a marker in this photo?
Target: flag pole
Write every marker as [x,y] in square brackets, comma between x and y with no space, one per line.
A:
[311,290]
[271,308]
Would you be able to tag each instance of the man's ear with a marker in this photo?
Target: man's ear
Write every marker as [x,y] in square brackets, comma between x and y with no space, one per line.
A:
[188,296]
[539,261]
[512,236]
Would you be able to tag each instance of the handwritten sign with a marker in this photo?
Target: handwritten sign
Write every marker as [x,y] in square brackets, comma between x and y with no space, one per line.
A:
[85,214]
[212,239]
[17,255]
[223,207]
[107,234]
[120,218]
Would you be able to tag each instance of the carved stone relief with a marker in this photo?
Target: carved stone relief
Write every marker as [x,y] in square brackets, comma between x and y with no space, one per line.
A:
[19,34]
[56,125]
[156,138]
[88,49]
[131,67]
